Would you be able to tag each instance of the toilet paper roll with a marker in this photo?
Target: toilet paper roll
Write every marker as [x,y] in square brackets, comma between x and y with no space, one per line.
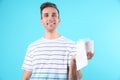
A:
[89,45]
[81,57]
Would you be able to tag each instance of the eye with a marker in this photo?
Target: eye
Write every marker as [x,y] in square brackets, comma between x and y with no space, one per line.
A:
[46,15]
[54,15]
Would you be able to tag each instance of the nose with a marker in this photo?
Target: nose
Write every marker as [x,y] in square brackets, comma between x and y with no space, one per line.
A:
[50,18]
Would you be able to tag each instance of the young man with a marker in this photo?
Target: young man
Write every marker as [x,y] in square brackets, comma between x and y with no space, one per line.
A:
[51,57]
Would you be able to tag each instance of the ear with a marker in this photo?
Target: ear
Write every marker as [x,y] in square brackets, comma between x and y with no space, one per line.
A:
[41,20]
[59,20]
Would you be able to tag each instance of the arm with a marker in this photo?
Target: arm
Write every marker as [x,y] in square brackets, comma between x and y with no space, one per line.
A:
[26,75]
[73,73]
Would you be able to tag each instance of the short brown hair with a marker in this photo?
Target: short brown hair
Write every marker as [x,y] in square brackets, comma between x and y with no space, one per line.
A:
[48,4]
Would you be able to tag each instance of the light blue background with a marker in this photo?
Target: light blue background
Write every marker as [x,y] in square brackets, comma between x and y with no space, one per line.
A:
[95,19]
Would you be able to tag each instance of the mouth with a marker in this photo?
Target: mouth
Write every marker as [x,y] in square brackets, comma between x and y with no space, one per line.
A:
[52,23]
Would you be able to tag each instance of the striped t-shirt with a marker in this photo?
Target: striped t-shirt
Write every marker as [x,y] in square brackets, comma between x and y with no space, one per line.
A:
[49,59]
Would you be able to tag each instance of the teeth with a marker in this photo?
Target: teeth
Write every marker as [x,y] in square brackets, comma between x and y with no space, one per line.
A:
[51,23]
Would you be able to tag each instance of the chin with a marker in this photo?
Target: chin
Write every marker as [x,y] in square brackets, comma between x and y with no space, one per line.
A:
[50,30]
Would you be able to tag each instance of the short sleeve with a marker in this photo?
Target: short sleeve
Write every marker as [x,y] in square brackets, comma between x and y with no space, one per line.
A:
[27,64]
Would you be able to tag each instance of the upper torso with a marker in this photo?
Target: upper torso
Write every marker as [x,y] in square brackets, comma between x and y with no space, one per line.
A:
[50,58]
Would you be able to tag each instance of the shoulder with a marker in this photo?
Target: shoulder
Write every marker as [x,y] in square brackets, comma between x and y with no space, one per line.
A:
[67,40]
[35,43]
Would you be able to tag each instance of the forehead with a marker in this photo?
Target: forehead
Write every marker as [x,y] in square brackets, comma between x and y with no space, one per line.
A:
[49,10]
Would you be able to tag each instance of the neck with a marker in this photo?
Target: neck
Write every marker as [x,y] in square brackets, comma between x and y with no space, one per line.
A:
[51,35]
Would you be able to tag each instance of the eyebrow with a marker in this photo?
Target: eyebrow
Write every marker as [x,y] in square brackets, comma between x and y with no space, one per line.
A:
[53,13]
[47,13]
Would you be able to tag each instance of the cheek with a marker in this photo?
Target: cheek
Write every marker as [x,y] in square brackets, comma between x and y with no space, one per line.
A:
[43,22]
[58,22]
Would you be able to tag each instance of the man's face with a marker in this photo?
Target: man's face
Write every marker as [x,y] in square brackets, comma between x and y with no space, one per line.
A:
[50,18]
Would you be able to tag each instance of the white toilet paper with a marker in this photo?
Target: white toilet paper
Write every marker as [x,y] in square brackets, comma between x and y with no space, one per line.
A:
[81,57]
[83,46]
[89,44]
